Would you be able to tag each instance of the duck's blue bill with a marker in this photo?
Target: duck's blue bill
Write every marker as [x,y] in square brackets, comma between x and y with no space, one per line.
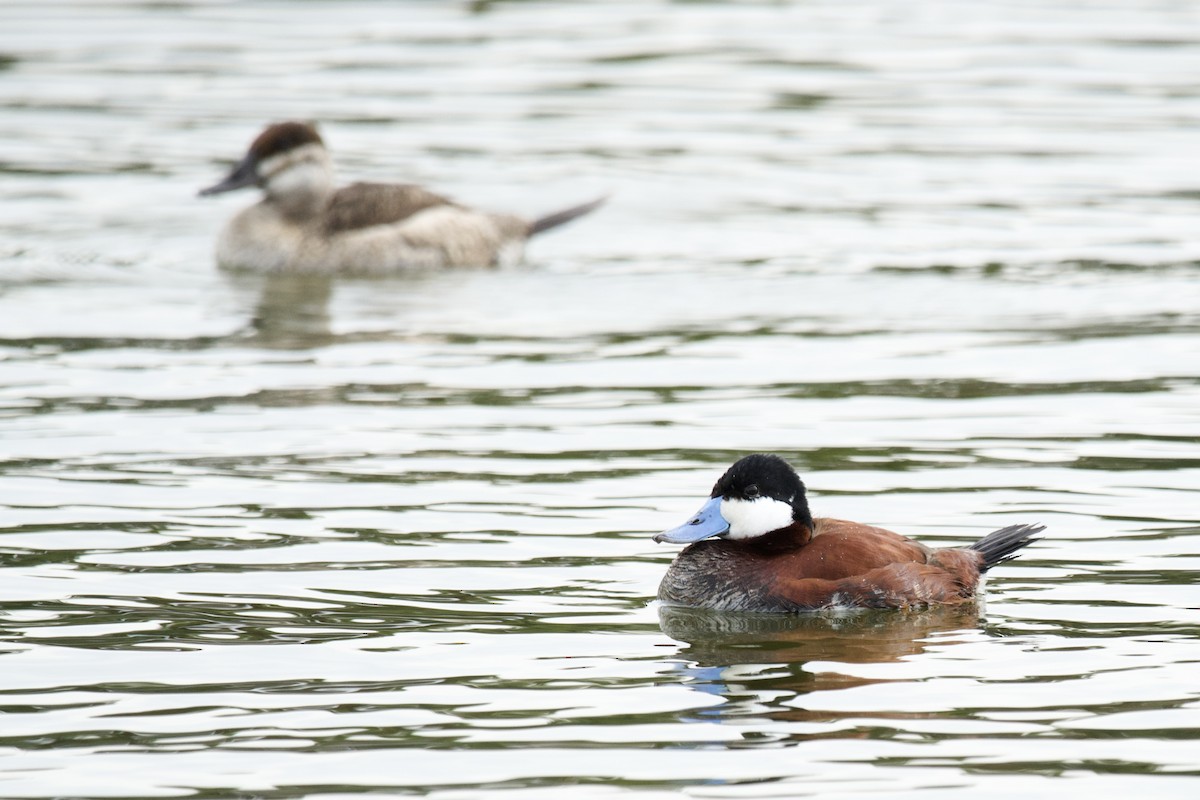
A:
[704,523]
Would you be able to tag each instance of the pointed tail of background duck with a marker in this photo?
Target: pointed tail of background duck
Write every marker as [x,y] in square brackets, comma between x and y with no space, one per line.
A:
[563,217]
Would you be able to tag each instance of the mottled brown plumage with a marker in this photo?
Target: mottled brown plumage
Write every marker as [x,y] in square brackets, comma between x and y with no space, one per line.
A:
[361,205]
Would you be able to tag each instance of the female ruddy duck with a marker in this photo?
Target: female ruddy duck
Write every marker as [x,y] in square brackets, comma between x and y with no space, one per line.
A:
[771,555]
[305,224]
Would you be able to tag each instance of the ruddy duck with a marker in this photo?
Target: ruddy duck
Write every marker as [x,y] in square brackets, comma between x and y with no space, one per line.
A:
[305,224]
[771,555]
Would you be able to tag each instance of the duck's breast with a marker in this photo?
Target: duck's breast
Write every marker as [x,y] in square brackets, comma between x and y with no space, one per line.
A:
[260,239]
[714,575]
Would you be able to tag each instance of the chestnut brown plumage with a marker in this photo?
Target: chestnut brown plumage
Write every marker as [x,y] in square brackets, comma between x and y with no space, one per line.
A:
[812,563]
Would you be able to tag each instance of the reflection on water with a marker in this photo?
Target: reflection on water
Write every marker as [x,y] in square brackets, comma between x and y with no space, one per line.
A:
[292,310]
[289,538]
[853,637]
[757,662]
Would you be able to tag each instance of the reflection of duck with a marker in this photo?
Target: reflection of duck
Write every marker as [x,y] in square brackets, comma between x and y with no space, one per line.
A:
[757,662]
[852,637]
[292,310]
[305,224]
[773,556]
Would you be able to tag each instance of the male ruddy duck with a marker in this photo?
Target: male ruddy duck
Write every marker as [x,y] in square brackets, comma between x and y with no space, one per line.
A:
[305,224]
[771,555]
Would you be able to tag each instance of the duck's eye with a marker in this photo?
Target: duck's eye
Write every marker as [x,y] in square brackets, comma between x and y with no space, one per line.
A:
[751,491]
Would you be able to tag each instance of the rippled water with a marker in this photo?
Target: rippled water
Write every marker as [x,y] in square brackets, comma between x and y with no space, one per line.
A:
[300,539]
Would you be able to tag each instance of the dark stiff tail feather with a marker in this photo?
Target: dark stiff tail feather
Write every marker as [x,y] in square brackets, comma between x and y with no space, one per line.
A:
[1002,545]
[563,217]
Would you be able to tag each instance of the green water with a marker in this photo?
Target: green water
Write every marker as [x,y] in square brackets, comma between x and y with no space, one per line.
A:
[284,539]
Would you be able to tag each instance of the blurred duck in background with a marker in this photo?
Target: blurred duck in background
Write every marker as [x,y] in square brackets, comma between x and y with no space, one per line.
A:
[305,224]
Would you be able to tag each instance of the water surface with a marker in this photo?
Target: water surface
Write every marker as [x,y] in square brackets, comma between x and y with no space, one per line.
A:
[296,538]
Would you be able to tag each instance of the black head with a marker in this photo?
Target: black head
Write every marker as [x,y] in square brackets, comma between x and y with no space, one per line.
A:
[764,502]
[763,475]
[755,484]
[759,501]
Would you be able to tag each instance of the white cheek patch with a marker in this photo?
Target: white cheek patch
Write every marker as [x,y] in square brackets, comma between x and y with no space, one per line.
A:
[295,170]
[750,518]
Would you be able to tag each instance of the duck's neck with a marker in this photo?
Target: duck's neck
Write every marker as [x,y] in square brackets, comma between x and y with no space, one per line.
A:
[784,540]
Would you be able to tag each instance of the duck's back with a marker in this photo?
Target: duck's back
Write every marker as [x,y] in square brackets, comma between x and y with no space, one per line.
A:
[841,549]
[362,205]
[387,227]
